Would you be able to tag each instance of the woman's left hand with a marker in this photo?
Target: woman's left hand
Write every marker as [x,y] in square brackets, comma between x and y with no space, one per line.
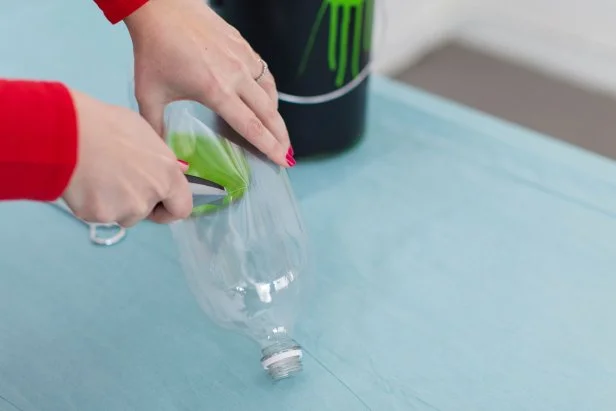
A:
[184,50]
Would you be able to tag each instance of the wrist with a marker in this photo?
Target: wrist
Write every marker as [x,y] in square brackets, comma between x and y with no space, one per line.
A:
[138,17]
[117,10]
[153,12]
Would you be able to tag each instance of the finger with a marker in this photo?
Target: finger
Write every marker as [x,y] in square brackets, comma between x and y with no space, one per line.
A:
[134,217]
[161,215]
[154,113]
[261,104]
[184,166]
[177,205]
[130,221]
[245,122]
[268,84]
[263,76]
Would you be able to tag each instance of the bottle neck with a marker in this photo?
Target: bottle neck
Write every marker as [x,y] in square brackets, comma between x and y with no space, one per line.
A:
[282,358]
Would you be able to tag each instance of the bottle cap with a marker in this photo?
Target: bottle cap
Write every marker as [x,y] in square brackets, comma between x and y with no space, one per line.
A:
[283,364]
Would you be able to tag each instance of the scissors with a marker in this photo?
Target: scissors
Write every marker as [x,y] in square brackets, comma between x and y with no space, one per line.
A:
[107,234]
[100,233]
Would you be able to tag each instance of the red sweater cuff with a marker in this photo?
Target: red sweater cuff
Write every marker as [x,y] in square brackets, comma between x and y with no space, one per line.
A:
[38,140]
[117,10]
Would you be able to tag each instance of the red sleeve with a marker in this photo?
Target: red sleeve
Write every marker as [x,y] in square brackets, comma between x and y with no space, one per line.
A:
[118,10]
[38,140]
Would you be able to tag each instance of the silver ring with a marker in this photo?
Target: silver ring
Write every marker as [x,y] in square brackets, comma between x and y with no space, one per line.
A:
[263,70]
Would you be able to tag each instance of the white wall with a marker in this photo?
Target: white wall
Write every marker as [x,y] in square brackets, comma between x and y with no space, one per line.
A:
[575,39]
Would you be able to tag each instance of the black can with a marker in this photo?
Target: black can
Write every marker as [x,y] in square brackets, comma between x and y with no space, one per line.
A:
[318,52]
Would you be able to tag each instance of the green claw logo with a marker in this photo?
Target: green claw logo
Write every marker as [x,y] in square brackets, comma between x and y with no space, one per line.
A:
[362,30]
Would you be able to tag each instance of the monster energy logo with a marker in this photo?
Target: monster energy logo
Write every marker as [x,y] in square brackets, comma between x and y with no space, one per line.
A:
[339,30]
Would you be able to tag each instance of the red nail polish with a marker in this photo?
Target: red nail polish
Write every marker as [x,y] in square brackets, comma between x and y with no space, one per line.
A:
[183,162]
[291,151]
[290,160]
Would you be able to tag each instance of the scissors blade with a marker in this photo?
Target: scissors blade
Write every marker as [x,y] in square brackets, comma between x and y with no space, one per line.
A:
[205,191]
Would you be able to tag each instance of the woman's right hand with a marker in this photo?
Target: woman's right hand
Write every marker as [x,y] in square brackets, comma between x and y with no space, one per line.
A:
[125,172]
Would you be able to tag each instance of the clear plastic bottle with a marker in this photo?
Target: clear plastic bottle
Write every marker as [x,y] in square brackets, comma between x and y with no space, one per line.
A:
[244,259]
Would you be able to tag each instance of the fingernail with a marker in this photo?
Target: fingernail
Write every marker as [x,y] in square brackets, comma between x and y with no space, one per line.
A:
[290,160]
[291,151]
[183,162]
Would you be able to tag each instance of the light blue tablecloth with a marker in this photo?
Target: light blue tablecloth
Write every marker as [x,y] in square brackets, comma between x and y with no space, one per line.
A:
[461,263]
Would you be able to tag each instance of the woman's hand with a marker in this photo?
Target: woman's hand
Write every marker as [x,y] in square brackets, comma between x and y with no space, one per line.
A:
[184,50]
[125,172]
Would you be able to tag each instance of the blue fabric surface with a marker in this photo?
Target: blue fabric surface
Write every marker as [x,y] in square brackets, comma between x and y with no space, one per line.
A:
[461,263]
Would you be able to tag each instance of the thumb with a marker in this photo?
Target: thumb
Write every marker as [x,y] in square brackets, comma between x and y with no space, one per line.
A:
[154,113]
[176,207]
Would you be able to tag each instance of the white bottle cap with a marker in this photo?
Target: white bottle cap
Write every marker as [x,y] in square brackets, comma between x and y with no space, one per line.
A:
[281,357]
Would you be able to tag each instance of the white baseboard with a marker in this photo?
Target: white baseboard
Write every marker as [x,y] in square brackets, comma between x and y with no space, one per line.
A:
[405,30]
[547,44]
